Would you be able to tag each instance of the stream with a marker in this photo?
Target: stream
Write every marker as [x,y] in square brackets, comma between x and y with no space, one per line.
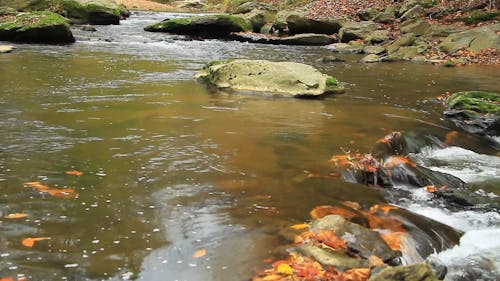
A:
[170,168]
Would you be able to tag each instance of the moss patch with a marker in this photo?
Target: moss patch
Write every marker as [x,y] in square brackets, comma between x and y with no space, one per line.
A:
[332,81]
[245,25]
[475,102]
[37,19]
[203,25]
[480,16]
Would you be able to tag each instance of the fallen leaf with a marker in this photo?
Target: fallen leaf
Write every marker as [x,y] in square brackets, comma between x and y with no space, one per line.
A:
[74,173]
[450,137]
[329,238]
[15,216]
[398,160]
[357,274]
[393,239]
[430,188]
[375,261]
[30,242]
[285,269]
[299,226]
[352,205]
[7,279]
[323,211]
[200,253]
[392,224]
[383,207]
[65,193]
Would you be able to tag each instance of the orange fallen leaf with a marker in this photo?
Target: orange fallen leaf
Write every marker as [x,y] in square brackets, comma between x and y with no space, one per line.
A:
[7,279]
[430,188]
[15,216]
[74,173]
[393,240]
[323,211]
[385,223]
[383,207]
[64,193]
[375,261]
[357,274]
[398,160]
[30,242]
[299,226]
[200,253]
[329,238]
[450,137]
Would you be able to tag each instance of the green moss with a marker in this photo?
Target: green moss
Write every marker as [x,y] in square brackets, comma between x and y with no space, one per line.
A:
[36,19]
[244,24]
[218,62]
[168,25]
[475,101]
[332,81]
[480,16]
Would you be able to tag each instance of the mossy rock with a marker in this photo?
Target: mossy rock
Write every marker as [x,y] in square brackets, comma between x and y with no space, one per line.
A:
[285,79]
[475,111]
[35,27]
[206,26]
[79,11]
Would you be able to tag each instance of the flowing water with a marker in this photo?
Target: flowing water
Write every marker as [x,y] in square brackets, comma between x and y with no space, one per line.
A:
[170,168]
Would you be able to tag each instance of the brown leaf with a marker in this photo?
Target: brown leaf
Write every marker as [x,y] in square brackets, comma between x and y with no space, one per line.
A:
[385,223]
[375,261]
[64,193]
[357,274]
[299,226]
[200,253]
[30,242]
[16,216]
[393,240]
[74,173]
[323,211]
[450,137]
[329,238]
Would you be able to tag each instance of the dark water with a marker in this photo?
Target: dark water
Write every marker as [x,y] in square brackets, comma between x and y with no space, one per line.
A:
[170,168]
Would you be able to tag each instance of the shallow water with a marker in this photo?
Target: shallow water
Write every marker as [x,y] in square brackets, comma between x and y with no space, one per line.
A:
[170,168]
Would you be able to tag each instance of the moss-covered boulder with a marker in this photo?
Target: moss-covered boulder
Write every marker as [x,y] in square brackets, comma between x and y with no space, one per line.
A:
[304,39]
[420,272]
[78,11]
[297,21]
[35,27]
[287,79]
[475,111]
[476,39]
[206,26]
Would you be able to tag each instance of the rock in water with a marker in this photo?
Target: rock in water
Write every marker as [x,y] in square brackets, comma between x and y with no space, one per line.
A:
[206,26]
[287,79]
[364,241]
[6,48]
[35,27]
[475,111]
[420,272]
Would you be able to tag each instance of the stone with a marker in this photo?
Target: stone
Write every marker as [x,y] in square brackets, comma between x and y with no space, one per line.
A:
[368,13]
[437,30]
[418,27]
[97,12]
[287,79]
[205,26]
[476,39]
[191,4]
[330,59]
[250,6]
[437,266]
[295,22]
[88,28]
[344,48]
[363,241]
[305,39]
[415,12]
[475,111]
[371,58]
[420,272]
[387,16]
[329,258]
[6,49]
[259,18]
[377,50]
[36,27]
[403,41]
[378,36]
[357,30]
[419,59]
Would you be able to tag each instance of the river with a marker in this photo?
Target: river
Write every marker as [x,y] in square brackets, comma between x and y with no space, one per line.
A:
[170,168]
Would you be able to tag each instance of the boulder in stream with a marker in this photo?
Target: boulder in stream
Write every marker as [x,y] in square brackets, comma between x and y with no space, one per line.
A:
[35,27]
[297,21]
[420,272]
[475,111]
[361,240]
[304,39]
[6,49]
[206,26]
[287,79]
[99,12]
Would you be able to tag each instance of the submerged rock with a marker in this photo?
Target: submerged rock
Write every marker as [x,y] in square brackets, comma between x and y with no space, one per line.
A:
[344,48]
[35,27]
[304,39]
[286,79]
[6,48]
[206,26]
[420,272]
[475,111]
[328,258]
[361,240]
